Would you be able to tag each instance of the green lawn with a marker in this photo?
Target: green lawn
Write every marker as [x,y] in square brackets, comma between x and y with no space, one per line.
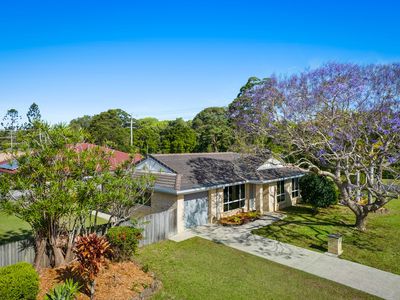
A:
[379,247]
[201,269]
[14,229]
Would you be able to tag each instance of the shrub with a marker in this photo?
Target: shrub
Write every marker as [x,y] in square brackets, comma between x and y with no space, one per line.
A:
[240,218]
[124,241]
[319,191]
[90,251]
[65,291]
[19,281]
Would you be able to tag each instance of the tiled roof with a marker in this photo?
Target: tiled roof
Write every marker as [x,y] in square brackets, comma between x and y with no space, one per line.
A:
[210,169]
[117,157]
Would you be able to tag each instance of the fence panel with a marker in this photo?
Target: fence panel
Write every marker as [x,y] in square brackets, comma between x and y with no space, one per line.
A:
[14,252]
[158,226]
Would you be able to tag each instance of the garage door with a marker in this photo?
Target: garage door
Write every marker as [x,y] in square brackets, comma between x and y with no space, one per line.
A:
[196,209]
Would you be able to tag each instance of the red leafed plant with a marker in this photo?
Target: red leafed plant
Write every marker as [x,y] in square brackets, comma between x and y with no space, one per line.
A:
[90,251]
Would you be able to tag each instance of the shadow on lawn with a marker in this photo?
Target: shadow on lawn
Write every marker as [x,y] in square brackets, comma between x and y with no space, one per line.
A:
[14,236]
[307,229]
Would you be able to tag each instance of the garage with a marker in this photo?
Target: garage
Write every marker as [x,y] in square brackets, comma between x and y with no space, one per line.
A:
[196,209]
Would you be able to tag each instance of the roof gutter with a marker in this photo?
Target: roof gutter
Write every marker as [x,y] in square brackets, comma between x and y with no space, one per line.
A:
[172,191]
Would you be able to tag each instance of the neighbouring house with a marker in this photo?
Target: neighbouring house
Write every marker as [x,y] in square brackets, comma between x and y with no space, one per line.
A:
[117,158]
[204,187]
[7,165]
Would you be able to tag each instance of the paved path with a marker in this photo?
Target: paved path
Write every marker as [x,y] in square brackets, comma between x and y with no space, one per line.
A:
[373,281]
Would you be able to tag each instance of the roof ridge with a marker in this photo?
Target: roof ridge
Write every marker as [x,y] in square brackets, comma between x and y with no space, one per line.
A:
[194,153]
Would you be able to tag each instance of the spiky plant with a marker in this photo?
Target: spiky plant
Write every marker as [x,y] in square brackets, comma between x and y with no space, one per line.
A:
[91,251]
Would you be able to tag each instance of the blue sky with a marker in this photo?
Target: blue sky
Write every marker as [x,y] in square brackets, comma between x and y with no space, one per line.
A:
[173,58]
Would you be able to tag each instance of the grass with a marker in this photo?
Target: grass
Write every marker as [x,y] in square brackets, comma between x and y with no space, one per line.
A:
[14,229]
[201,269]
[378,247]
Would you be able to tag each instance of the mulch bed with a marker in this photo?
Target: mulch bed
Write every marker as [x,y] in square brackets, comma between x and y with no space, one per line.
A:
[124,280]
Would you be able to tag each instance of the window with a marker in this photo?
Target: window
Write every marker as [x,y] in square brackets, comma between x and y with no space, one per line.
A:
[295,187]
[280,197]
[234,197]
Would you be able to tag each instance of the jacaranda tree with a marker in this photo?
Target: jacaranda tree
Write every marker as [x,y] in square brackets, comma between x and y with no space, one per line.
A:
[339,120]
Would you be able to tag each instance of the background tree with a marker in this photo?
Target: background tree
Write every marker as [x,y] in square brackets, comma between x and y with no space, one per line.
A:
[81,122]
[33,115]
[249,110]
[112,128]
[178,137]
[213,129]
[11,124]
[340,119]
[60,188]
[146,135]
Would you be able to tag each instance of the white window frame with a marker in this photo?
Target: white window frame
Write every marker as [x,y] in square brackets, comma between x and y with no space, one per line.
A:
[227,192]
[295,187]
[280,194]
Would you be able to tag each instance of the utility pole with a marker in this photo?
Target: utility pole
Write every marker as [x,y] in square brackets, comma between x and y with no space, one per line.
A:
[131,131]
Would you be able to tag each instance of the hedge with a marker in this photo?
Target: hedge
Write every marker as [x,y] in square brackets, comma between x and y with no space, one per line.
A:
[19,281]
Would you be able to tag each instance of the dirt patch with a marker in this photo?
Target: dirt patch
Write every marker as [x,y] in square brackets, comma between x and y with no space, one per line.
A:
[116,281]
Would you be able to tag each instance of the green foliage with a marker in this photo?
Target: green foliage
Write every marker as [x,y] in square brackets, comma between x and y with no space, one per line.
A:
[146,135]
[65,291]
[213,129]
[124,241]
[81,122]
[19,281]
[33,115]
[112,128]
[178,137]
[319,191]
[63,184]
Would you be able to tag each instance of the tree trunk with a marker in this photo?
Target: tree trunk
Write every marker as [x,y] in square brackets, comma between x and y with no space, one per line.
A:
[59,258]
[361,222]
[40,260]
[69,255]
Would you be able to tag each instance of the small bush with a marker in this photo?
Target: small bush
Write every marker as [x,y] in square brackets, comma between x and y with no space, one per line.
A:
[91,251]
[319,191]
[124,241]
[240,218]
[19,281]
[65,291]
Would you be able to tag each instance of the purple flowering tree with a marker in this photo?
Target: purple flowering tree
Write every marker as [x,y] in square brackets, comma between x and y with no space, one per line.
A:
[340,120]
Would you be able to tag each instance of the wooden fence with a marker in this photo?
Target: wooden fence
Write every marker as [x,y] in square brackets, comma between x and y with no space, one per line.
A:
[156,227]
[14,252]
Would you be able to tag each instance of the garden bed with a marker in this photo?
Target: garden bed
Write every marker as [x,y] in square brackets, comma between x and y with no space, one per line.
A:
[125,280]
[240,218]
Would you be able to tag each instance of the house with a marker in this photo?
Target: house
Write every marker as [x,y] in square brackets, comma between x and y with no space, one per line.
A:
[204,187]
[6,164]
[9,165]
[116,157]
